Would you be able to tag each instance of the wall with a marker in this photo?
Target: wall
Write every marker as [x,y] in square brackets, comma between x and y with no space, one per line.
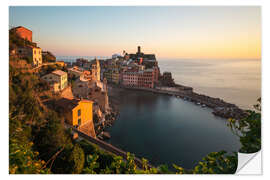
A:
[51,77]
[86,112]
[63,81]
[76,73]
[37,56]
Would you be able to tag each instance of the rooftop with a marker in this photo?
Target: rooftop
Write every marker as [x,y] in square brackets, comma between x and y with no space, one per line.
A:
[75,69]
[67,104]
[59,72]
[21,27]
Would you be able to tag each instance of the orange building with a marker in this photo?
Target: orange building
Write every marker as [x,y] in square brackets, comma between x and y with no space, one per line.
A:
[78,113]
[24,33]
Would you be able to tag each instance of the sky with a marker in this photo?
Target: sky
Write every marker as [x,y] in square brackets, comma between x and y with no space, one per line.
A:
[199,32]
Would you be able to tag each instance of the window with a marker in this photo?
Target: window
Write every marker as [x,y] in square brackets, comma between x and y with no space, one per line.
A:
[79,121]
[79,112]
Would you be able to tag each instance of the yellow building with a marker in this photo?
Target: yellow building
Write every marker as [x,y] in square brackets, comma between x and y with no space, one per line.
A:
[55,78]
[37,56]
[108,75]
[60,63]
[78,113]
[33,52]
[116,77]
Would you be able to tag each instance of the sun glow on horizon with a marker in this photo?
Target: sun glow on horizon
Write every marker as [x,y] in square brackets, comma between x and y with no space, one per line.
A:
[169,32]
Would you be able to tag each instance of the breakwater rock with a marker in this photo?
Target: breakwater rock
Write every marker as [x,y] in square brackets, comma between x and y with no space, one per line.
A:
[220,107]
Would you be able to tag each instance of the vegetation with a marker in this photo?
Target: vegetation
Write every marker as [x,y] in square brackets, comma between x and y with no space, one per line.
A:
[249,130]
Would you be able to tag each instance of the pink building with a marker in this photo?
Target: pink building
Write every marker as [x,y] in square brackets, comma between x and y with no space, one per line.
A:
[130,78]
[146,78]
[136,78]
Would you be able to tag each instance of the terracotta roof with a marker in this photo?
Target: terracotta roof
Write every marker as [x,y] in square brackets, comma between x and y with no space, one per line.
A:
[59,72]
[21,27]
[67,104]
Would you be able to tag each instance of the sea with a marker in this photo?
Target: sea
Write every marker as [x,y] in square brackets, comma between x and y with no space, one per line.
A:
[168,130]
[237,81]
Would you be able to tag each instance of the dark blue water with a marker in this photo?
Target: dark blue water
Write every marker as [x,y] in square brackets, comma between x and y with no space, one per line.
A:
[166,129]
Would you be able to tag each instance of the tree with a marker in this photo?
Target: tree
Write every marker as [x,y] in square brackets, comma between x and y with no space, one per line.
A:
[217,163]
[51,137]
[22,158]
[249,130]
[92,164]
[76,159]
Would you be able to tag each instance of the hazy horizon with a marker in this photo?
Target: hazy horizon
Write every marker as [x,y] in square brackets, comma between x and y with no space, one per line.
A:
[199,32]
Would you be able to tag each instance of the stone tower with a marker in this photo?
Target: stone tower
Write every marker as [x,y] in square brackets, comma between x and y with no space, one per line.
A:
[96,70]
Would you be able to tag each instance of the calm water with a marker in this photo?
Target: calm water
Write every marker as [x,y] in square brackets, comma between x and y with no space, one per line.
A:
[166,130]
[236,81]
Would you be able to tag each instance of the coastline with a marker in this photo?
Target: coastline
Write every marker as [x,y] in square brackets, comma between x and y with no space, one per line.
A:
[219,106]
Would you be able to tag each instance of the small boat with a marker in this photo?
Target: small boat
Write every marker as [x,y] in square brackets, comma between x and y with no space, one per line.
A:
[100,137]
[203,105]
[106,135]
[198,103]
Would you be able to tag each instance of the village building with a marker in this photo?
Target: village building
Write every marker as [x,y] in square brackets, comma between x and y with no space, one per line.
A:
[116,76]
[83,88]
[108,75]
[167,80]
[80,62]
[146,78]
[57,79]
[75,71]
[93,73]
[86,65]
[102,71]
[139,77]
[23,32]
[35,53]
[78,113]
[112,71]
[130,78]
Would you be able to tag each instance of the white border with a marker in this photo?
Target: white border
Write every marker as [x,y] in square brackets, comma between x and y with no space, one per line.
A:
[135,2]
[265,71]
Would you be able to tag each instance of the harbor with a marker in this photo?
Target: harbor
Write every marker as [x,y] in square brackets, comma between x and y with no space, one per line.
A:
[171,130]
[220,107]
